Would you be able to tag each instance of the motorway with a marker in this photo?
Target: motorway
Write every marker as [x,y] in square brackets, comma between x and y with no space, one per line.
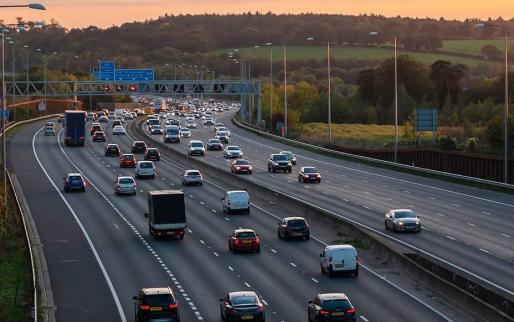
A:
[469,230]
[100,254]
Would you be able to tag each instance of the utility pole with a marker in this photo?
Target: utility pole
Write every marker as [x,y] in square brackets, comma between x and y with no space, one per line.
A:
[285,91]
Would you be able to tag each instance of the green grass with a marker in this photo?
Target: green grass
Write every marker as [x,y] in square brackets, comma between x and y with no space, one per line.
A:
[472,46]
[362,53]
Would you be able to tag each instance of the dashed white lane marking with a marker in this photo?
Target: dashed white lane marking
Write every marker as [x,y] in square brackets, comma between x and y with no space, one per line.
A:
[366,207]
[273,251]
[116,226]
[390,199]
[505,235]
[439,214]
[292,264]
[406,191]
[425,229]
[364,318]
[213,210]
[227,219]
[202,242]
[264,302]
[485,251]
[345,200]
[450,237]
[324,192]
[140,190]
[314,280]
[455,204]
[431,198]
[191,196]
[230,268]
[412,206]
[202,203]
[190,231]
[486,213]
[248,285]
[216,254]
[471,224]
[367,192]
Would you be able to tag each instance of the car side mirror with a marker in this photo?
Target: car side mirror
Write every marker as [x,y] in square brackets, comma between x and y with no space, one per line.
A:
[222,198]
[134,297]
[64,178]
[320,255]
[146,215]
[220,299]
[310,302]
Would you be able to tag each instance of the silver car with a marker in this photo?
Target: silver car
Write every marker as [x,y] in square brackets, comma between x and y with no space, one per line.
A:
[125,185]
[191,177]
[232,151]
[49,130]
[402,220]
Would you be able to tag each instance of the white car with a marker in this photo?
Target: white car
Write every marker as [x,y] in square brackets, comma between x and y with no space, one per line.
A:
[128,116]
[145,169]
[238,200]
[156,130]
[185,133]
[232,151]
[118,130]
[339,258]
[125,185]
[49,130]
[196,147]
[223,130]
[191,125]
[191,177]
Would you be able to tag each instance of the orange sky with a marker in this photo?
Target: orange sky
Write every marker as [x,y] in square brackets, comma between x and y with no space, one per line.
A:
[105,13]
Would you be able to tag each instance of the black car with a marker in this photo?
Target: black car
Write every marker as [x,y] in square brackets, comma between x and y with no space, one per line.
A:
[309,174]
[116,123]
[223,137]
[331,307]
[293,227]
[156,304]
[138,147]
[214,145]
[99,136]
[279,162]
[112,150]
[242,306]
[152,154]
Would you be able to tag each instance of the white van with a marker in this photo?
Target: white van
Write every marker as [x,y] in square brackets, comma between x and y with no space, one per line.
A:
[339,258]
[236,201]
[145,169]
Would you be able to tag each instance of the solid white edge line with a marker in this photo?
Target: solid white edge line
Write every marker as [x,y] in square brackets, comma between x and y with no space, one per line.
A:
[84,232]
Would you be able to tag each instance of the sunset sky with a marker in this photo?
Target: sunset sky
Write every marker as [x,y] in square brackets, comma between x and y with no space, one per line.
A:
[105,13]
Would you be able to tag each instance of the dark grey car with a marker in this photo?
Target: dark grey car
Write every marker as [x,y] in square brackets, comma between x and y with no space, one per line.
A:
[402,220]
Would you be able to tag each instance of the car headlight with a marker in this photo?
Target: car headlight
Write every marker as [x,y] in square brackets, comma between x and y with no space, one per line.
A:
[400,223]
[238,168]
[250,167]
[288,163]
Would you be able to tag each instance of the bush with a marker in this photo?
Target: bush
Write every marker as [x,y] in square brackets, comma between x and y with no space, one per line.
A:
[447,143]
[472,145]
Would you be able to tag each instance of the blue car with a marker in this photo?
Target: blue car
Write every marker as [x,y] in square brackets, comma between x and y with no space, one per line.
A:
[74,181]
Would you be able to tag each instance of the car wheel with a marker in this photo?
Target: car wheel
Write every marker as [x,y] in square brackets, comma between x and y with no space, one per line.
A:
[221,314]
[116,192]
[322,270]
[134,193]
[278,234]
[83,189]
[269,169]
[289,170]
[319,180]
[201,184]
[330,272]
[153,176]
[307,237]
[385,225]
[394,228]
[356,272]
[258,250]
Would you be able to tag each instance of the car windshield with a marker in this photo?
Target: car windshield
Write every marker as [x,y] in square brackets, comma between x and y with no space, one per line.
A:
[185,130]
[310,170]
[214,141]
[97,133]
[152,151]
[244,300]
[172,131]
[279,157]
[242,162]
[139,144]
[233,148]
[126,180]
[146,165]
[197,145]
[245,234]
[404,214]
[75,177]
[112,147]
[193,173]
[296,223]
[128,157]
[336,305]
[158,300]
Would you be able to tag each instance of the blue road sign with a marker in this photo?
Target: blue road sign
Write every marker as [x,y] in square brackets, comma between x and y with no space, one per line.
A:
[134,74]
[426,119]
[6,113]
[107,70]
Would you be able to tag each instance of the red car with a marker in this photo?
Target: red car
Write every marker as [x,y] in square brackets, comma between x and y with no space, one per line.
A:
[99,136]
[128,161]
[244,240]
[241,166]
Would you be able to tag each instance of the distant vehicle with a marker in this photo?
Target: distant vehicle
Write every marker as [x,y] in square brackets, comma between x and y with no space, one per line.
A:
[279,162]
[185,133]
[214,145]
[290,156]
[172,134]
[129,116]
[196,147]
[50,124]
[217,126]
[118,130]
[241,166]
[112,150]
[49,131]
[128,161]
[156,304]
[242,306]
[125,185]
[156,130]
[60,118]
[138,147]
[166,213]
[145,169]
[244,240]
[103,119]
[208,122]
[232,151]
[309,174]
[74,181]
[223,137]
[402,220]
[236,201]
[75,128]
[152,154]
[116,123]
[334,307]
[223,130]
[152,122]
[191,125]
[339,258]
[192,177]
[95,127]
[293,227]
[99,136]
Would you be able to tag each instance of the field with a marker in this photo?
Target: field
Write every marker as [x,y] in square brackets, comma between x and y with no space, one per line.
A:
[364,53]
[472,46]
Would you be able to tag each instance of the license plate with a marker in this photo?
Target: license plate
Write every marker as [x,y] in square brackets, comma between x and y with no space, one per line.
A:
[298,234]
[337,313]
[246,317]
[170,233]
[339,265]
[247,241]
[155,308]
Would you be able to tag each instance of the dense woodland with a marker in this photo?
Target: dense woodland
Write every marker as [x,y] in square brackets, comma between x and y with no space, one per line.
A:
[469,99]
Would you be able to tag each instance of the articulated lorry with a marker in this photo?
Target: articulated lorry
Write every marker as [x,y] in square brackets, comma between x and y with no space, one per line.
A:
[74,128]
[166,213]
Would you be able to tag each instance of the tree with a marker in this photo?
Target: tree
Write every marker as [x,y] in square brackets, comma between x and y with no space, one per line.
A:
[446,78]
[491,52]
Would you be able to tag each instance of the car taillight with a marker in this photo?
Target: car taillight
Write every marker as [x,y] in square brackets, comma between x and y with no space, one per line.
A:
[260,308]
[257,240]
[172,306]
[144,307]
[323,312]
[351,310]
[237,242]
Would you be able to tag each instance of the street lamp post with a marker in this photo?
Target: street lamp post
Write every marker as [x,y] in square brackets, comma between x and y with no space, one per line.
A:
[13,80]
[506,108]
[374,33]
[285,91]
[27,86]
[270,85]
[36,6]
